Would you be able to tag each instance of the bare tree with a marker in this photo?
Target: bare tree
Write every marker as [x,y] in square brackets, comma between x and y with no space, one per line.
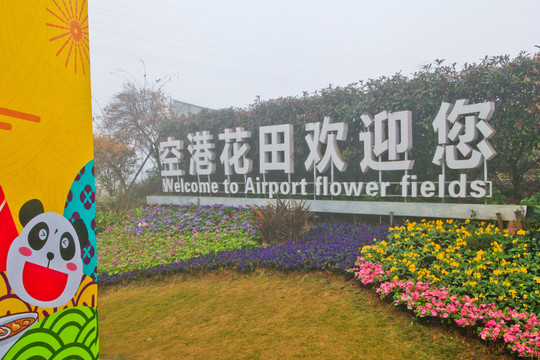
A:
[136,115]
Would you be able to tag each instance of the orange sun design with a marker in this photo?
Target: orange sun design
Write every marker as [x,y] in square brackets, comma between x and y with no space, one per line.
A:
[17,115]
[68,18]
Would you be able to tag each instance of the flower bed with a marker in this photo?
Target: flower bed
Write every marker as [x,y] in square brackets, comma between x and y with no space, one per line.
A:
[165,234]
[174,219]
[327,246]
[472,275]
[476,276]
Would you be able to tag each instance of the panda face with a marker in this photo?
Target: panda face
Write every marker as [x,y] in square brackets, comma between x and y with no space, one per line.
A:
[44,265]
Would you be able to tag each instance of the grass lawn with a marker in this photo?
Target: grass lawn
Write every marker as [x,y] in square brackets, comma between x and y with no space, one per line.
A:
[266,315]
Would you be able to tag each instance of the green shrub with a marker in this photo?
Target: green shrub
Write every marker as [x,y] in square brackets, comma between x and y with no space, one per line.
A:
[534,202]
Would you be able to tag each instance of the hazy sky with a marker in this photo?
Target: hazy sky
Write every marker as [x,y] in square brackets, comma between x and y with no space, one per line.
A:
[223,53]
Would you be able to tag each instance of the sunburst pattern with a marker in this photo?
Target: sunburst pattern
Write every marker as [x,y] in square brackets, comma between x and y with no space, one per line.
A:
[73,32]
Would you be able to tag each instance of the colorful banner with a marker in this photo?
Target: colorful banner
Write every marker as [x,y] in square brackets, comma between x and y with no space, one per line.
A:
[48,293]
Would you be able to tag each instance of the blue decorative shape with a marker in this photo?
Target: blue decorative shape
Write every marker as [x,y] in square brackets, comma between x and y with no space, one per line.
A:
[81,204]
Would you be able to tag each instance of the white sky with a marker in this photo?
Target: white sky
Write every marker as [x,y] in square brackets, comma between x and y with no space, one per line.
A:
[223,53]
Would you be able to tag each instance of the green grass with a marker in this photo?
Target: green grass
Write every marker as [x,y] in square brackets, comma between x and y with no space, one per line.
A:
[266,315]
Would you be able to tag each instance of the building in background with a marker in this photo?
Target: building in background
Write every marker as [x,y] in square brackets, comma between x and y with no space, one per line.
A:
[184,108]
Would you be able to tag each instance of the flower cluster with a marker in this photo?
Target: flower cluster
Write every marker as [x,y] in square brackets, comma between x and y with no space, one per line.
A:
[165,234]
[476,260]
[519,330]
[327,246]
[191,217]
[472,274]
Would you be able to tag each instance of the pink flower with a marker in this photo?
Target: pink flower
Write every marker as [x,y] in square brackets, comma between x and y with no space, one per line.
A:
[520,330]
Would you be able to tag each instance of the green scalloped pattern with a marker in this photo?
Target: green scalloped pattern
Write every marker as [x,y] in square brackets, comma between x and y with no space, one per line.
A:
[67,334]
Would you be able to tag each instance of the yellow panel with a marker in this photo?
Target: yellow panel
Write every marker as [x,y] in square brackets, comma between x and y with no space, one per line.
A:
[45,108]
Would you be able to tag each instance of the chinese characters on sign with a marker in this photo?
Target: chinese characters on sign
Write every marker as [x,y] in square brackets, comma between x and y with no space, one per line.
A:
[450,130]
[329,134]
[171,156]
[397,140]
[233,157]
[462,130]
[202,157]
[276,148]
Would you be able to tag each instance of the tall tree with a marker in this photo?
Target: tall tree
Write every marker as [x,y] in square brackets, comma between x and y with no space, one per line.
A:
[136,115]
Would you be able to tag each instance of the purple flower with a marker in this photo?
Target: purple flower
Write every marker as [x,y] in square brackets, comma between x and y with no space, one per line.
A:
[334,246]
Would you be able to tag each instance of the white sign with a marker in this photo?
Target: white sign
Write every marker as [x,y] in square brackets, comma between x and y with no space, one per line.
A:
[387,140]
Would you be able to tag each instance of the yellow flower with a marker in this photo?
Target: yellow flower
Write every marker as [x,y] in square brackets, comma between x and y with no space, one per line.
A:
[521,232]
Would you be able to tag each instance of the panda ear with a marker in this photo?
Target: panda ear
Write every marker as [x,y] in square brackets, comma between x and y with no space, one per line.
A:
[30,210]
[82,232]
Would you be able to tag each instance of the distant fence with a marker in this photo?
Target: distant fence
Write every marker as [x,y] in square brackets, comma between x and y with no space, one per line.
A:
[383,208]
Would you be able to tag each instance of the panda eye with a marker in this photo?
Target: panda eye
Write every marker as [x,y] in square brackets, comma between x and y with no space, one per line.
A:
[43,234]
[67,246]
[38,236]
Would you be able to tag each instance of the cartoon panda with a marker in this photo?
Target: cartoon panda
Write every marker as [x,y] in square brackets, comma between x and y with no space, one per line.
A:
[44,265]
